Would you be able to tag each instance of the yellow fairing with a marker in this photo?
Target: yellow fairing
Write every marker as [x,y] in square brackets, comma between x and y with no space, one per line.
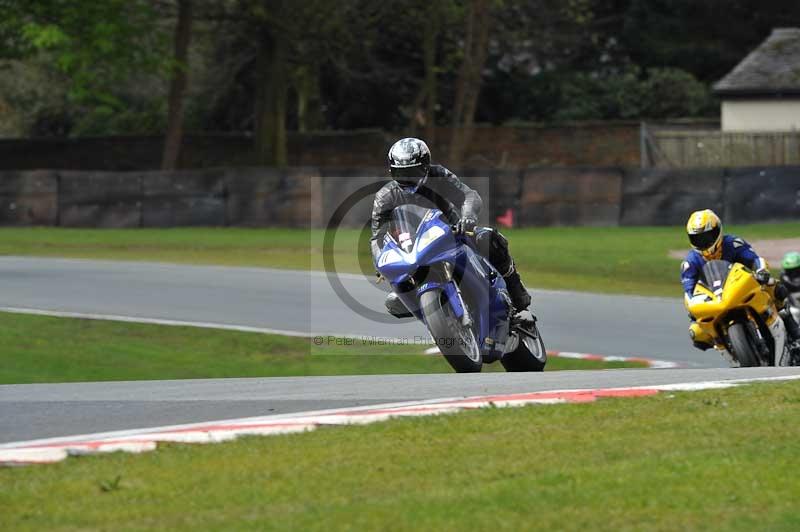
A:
[741,291]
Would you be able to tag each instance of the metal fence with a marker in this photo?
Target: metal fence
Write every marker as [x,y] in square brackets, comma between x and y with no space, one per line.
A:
[670,146]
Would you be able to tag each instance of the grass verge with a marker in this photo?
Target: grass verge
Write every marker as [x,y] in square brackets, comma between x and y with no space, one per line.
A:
[607,259]
[44,349]
[720,460]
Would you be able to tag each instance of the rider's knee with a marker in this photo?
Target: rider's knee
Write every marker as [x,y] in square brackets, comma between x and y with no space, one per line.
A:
[781,293]
[494,246]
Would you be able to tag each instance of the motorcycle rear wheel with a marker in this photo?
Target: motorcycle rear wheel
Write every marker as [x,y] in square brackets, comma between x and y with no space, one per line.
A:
[456,341]
[742,344]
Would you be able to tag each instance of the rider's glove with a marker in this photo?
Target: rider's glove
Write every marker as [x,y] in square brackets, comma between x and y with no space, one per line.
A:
[465,225]
[762,276]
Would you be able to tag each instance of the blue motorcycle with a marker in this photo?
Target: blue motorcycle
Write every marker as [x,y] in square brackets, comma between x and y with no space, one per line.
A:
[441,279]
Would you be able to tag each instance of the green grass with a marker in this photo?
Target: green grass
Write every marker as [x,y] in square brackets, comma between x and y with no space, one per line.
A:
[44,349]
[713,460]
[608,259]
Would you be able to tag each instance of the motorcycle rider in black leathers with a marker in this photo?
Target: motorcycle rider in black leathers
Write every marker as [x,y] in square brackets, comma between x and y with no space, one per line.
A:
[417,181]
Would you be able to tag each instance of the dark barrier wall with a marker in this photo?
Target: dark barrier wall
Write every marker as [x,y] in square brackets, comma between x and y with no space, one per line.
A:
[266,196]
[577,196]
[740,195]
[666,197]
[757,194]
[310,197]
[214,197]
[29,198]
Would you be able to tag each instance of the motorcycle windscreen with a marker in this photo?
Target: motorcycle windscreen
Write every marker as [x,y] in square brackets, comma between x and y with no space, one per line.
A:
[714,274]
[405,222]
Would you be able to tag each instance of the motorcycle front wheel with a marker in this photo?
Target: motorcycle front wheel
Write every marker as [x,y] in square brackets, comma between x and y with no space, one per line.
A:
[530,354]
[456,341]
[742,344]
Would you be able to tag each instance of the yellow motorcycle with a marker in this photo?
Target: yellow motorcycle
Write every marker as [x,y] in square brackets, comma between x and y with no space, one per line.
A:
[738,315]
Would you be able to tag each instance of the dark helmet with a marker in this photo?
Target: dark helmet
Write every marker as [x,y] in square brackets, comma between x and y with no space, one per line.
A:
[409,161]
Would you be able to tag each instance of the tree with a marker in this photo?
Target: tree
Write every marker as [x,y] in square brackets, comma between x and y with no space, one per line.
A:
[272,78]
[98,45]
[178,84]
[706,39]
[436,20]
[291,40]
[468,84]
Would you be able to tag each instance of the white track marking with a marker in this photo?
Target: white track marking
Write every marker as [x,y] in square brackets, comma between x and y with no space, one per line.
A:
[203,325]
[142,440]
[175,323]
[275,417]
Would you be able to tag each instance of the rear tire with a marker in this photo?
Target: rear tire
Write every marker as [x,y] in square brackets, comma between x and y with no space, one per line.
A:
[530,354]
[742,345]
[457,343]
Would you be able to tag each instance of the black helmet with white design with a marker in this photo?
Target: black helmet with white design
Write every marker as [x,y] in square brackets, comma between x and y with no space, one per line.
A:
[409,161]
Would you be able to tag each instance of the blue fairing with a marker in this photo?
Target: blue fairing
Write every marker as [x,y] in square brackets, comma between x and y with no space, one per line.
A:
[482,288]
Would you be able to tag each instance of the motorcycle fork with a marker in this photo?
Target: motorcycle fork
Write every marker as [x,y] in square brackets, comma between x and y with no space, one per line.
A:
[758,336]
[466,319]
[763,348]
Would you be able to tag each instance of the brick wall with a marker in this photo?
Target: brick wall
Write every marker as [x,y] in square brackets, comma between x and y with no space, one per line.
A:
[579,144]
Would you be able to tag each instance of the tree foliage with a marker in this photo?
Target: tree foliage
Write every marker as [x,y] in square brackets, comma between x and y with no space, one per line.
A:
[274,66]
[98,45]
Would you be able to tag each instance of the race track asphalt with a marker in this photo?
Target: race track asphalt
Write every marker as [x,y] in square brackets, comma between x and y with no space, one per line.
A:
[33,411]
[305,302]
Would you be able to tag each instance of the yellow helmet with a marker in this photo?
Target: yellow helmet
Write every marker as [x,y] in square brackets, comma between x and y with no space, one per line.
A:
[705,233]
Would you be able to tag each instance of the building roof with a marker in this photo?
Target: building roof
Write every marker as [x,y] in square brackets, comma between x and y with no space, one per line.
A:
[772,69]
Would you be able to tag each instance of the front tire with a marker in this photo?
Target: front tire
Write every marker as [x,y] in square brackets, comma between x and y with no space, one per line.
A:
[742,345]
[457,342]
[530,354]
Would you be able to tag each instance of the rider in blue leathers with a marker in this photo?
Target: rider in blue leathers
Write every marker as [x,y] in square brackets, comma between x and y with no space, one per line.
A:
[416,181]
[734,249]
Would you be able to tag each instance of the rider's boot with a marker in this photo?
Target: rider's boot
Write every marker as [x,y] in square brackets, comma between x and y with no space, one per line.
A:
[793,334]
[792,329]
[396,307]
[520,298]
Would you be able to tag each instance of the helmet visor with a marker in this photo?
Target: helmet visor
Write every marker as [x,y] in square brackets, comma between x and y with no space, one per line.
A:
[408,173]
[704,240]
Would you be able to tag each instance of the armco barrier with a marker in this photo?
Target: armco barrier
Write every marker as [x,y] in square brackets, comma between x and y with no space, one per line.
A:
[309,196]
